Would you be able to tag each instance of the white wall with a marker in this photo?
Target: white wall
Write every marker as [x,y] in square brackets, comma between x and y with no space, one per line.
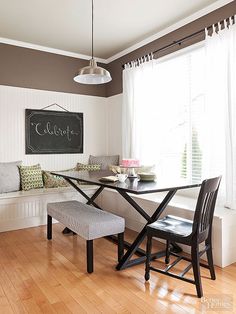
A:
[14,101]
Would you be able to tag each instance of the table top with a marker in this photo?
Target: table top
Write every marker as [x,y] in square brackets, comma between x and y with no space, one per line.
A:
[131,185]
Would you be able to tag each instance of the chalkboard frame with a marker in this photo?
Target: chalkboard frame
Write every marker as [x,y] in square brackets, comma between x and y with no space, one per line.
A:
[30,145]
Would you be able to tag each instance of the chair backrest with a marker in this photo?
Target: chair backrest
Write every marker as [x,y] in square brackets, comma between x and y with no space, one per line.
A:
[205,207]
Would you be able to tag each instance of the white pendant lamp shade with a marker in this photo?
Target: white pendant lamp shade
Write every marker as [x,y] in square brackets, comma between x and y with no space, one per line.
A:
[92,74]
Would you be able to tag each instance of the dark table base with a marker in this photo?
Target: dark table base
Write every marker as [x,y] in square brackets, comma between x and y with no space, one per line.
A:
[132,248]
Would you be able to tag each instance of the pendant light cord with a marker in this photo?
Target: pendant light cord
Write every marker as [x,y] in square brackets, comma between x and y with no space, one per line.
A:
[92,29]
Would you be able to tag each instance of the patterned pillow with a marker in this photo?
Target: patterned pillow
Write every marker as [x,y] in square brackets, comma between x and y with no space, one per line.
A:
[115,169]
[53,181]
[104,161]
[31,177]
[80,167]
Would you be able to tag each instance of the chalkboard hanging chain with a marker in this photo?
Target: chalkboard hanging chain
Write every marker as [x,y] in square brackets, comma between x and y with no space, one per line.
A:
[55,104]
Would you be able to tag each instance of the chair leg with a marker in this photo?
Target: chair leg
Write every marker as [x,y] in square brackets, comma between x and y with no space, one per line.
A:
[49,227]
[196,269]
[167,258]
[148,257]
[210,260]
[120,246]
[89,245]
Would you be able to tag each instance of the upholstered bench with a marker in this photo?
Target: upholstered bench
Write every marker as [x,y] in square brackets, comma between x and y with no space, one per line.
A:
[88,222]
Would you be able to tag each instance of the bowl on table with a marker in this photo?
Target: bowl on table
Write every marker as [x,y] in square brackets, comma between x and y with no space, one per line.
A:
[147,176]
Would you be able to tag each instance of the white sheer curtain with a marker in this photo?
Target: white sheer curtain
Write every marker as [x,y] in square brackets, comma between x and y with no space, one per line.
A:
[138,92]
[221,106]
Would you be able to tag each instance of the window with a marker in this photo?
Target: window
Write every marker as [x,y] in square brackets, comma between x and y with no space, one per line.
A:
[174,124]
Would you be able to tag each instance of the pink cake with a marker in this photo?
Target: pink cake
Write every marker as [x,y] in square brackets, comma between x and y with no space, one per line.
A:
[130,163]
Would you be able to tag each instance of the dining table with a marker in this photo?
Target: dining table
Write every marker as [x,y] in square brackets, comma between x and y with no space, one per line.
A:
[128,189]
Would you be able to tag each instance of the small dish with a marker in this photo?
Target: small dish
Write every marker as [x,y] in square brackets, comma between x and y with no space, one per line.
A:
[147,176]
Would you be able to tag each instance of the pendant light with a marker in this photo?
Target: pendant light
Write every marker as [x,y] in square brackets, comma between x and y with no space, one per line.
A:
[92,74]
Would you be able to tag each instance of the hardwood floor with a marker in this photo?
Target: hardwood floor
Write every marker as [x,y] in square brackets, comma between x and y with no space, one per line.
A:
[40,276]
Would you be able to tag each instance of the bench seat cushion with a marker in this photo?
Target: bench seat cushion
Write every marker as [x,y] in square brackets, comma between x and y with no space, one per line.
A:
[85,220]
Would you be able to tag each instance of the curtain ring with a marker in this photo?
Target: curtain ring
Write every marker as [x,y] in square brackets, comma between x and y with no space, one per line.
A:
[206,32]
[225,24]
[213,28]
[232,20]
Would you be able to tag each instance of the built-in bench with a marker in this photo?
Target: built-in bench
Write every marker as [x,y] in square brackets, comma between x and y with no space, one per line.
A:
[88,222]
[23,209]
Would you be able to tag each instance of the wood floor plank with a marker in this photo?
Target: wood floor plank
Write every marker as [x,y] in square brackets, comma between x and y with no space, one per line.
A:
[60,308]
[31,306]
[4,303]
[11,293]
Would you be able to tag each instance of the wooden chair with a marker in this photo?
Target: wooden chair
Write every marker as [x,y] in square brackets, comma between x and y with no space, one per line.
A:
[191,233]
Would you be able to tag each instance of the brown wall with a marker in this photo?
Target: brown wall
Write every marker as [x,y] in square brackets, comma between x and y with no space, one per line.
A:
[30,68]
[115,67]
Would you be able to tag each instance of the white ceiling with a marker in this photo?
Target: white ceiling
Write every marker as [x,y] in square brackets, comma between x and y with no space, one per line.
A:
[66,24]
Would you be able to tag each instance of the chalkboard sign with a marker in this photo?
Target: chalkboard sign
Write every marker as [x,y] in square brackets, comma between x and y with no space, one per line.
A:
[53,132]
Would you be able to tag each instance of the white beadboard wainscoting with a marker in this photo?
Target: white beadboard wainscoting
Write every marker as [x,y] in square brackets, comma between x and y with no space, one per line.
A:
[25,209]
[114,125]
[14,101]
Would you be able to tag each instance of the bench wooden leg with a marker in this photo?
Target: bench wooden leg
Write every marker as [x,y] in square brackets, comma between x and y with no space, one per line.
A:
[89,244]
[120,246]
[49,228]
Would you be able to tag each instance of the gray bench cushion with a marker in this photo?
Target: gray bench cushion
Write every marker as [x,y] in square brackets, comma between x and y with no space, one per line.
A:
[85,220]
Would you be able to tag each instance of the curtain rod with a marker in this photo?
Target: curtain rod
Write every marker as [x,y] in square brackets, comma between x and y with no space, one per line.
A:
[174,43]
[180,41]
